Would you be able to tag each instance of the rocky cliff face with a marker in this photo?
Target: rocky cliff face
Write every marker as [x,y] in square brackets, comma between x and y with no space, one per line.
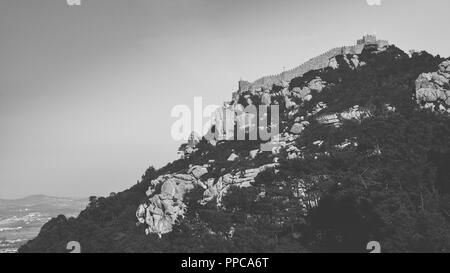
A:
[164,206]
[433,89]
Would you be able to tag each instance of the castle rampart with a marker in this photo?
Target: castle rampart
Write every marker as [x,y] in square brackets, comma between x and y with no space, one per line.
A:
[319,62]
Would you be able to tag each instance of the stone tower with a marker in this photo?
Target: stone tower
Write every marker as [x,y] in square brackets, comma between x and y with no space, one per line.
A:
[368,40]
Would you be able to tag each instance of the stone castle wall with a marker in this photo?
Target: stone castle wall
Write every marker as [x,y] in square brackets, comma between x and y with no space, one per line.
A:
[319,62]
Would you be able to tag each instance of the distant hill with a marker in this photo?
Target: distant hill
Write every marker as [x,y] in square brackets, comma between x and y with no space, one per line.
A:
[43,203]
[21,219]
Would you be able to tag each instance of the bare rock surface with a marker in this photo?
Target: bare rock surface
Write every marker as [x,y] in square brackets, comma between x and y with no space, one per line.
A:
[433,90]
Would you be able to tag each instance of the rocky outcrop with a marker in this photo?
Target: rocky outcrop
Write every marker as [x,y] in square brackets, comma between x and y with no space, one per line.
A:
[353,61]
[243,179]
[233,157]
[333,63]
[433,90]
[346,143]
[165,206]
[161,211]
[355,113]
[329,119]
[198,171]
[444,67]
[253,153]
[304,93]
[298,127]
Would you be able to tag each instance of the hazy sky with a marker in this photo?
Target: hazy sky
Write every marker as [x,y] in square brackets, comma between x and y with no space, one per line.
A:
[86,91]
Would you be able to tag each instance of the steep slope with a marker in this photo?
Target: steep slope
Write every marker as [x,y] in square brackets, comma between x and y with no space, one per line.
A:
[357,159]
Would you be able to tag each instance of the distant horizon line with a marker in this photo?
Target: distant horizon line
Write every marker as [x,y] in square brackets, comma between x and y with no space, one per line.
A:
[42,195]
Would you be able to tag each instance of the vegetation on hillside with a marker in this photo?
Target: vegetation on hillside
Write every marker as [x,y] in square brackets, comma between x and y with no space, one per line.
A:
[394,187]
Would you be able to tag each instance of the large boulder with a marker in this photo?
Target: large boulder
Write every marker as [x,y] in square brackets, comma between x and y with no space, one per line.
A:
[432,89]
[303,93]
[253,153]
[424,81]
[317,85]
[162,209]
[428,94]
[217,189]
[233,157]
[355,61]
[445,66]
[439,79]
[298,127]
[307,97]
[333,63]
[198,171]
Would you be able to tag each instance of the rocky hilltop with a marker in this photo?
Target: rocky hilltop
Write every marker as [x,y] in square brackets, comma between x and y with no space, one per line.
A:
[360,153]
[433,89]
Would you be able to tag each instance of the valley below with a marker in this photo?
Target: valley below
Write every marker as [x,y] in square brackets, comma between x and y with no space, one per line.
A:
[22,219]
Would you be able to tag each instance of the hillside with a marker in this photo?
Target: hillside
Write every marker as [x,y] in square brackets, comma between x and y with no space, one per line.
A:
[362,154]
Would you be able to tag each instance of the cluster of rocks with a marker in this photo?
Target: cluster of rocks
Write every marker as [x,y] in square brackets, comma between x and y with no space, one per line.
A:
[304,93]
[161,211]
[356,113]
[352,61]
[229,115]
[217,188]
[432,89]
[293,152]
[333,63]
[233,115]
[165,206]
[285,141]
[253,153]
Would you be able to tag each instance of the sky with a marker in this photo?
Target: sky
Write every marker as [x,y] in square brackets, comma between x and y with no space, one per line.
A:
[86,92]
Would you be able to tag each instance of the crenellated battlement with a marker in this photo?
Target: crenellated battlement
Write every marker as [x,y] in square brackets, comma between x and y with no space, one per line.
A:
[319,62]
